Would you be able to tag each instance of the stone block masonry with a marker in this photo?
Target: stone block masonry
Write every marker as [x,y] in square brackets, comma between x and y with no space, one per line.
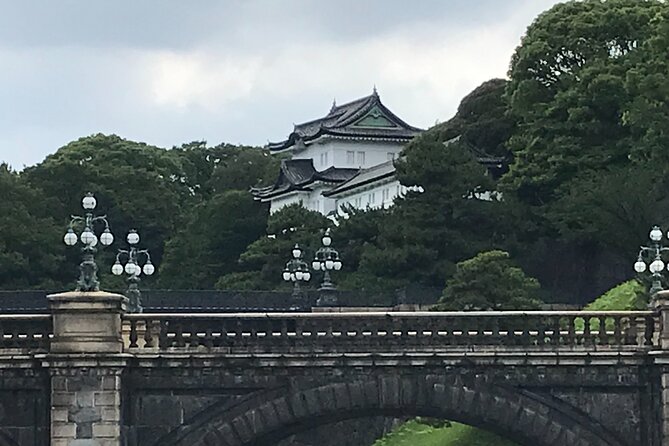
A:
[85,406]
[90,375]
[85,366]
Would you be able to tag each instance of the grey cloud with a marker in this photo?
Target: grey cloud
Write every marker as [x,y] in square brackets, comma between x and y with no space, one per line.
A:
[179,24]
[164,71]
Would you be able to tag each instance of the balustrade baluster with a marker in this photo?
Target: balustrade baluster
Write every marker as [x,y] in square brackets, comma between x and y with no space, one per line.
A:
[433,327]
[224,340]
[541,328]
[603,335]
[525,326]
[571,331]
[495,338]
[587,335]
[649,331]
[133,333]
[480,328]
[617,330]
[299,331]
[14,343]
[284,329]
[163,337]
[30,337]
[632,331]
[149,340]
[179,334]
[447,327]
[556,338]
[209,337]
[194,340]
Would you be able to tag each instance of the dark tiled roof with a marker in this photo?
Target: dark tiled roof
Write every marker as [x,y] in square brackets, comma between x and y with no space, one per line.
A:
[364,176]
[496,165]
[343,121]
[299,174]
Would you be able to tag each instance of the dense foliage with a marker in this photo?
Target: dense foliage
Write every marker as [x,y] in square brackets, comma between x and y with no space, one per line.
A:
[490,281]
[581,122]
[630,295]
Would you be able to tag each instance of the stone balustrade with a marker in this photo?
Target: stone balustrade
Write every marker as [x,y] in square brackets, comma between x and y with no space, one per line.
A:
[425,331]
[25,333]
[79,368]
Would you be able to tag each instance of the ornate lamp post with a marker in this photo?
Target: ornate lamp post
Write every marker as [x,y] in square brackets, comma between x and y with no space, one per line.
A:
[88,269]
[650,257]
[133,270]
[326,260]
[296,271]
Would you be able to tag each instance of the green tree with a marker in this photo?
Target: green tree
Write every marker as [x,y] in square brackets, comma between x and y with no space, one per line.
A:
[260,266]
[352,237]
[613,208]
[210,170]
[482,120]
[137,186]
[568,92]
[209,244]
[32,254]
[427,232]
[489,281]
[648,113]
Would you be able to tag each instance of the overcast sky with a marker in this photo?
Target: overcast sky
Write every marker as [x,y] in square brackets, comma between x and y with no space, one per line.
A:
[172,71]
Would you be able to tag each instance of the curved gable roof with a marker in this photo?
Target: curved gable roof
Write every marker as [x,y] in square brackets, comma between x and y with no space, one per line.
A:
[343,121]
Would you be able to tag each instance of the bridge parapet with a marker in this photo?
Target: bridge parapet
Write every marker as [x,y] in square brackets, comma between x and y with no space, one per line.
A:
[370,332]
[25,333]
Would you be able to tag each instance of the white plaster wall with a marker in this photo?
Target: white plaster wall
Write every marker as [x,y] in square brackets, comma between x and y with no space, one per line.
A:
[314,201]
[376,196]
[337,156]
[280,202]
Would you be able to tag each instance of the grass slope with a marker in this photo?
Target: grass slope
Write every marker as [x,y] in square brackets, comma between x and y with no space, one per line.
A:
[414,433]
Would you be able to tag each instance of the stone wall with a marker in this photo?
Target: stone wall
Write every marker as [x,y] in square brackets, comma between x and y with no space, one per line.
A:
[85,406]
[24,405]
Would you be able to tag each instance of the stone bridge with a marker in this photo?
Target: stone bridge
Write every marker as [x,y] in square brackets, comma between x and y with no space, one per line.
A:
[87,374]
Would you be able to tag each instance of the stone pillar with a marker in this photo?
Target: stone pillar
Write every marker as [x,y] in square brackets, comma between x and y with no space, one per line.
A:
[86,361]
[660,304]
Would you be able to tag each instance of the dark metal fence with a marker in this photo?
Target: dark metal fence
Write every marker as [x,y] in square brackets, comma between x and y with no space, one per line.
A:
[207,301]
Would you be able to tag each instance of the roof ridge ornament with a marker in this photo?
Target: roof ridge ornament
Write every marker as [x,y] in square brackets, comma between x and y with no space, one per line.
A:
[334,105]
[375,92]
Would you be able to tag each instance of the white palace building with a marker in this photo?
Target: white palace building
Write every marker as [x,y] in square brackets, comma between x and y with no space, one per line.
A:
[346,157]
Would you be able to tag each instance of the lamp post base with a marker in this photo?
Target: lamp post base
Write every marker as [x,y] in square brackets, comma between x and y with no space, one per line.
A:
[327,296]
[88,271]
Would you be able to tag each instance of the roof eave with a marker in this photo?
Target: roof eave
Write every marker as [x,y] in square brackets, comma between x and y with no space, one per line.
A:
[337,191]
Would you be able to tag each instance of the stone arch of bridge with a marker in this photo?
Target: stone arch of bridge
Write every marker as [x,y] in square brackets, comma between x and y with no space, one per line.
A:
[269,417]
[6,440]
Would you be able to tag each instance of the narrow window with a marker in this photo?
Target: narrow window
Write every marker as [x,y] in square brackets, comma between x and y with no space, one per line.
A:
[361,159]
[350,158]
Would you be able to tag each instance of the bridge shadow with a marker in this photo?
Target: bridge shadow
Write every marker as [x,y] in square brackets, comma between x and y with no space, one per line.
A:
[6,440]
[267,417]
